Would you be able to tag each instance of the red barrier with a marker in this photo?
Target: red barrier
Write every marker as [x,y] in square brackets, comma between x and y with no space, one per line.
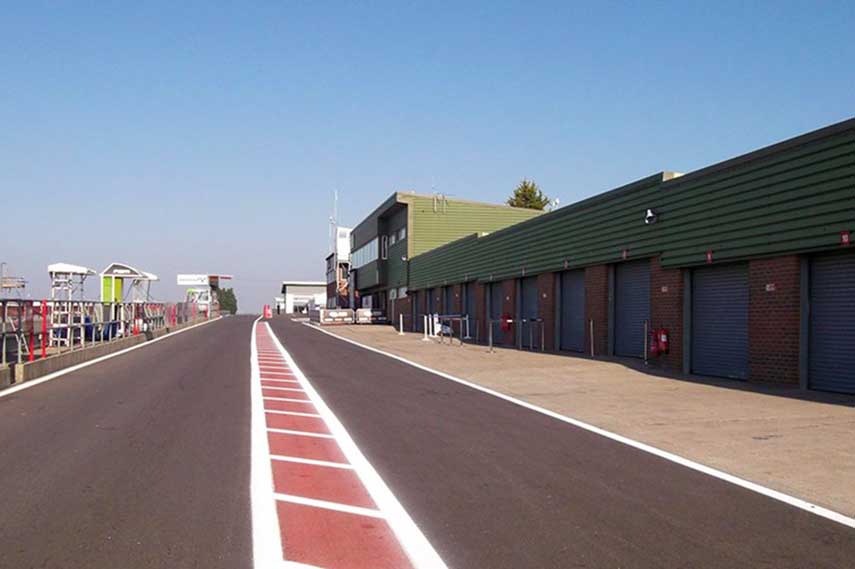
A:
[44,329]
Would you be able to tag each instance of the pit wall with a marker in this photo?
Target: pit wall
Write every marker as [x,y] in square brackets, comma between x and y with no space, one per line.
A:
[19,373]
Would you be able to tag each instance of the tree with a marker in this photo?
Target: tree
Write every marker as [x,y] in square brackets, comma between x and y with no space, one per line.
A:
[528,195]
[228,300]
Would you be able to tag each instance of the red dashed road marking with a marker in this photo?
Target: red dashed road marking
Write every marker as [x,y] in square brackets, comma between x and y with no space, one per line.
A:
[328,515]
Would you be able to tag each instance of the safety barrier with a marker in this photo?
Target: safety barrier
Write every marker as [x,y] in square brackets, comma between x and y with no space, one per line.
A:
[31,329]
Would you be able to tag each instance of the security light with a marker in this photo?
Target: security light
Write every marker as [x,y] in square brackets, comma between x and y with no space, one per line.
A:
[650,217]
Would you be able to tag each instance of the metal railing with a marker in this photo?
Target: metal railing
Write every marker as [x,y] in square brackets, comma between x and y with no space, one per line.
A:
[33,329]
[524,323]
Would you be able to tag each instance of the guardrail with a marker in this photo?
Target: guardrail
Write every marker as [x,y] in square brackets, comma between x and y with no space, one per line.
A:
[33,329]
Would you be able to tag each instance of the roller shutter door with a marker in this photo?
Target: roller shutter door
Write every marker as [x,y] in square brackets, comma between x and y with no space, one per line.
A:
[720,321]
[529,311]
[573,311]
[831,359]
[632,307]
[496,302]
[431,300]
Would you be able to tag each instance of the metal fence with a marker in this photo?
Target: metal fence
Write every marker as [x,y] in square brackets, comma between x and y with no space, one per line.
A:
[32,329]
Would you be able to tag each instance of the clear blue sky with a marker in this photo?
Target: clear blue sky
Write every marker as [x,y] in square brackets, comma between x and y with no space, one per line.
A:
[205,136]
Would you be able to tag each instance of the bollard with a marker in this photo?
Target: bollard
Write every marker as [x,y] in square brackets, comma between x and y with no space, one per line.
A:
[44,329]
[424,328]
[400,324]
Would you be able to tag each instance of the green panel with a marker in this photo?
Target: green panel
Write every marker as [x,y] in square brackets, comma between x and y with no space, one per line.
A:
[437,221]
[107,292]
[792,197]
[368,275]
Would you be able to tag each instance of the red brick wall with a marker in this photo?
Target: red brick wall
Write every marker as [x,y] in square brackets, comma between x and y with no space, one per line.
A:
[546,307]
[666,311]
[509,306]
[404,306]
[774,320]
[480,312]
[456,299]
[597,308]
[437,299]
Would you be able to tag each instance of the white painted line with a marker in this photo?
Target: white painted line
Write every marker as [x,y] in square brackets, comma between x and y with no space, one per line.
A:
[721,475]
[299,433]
[329,505]
[267,398]
[419,550]
[266,537]
[313,462]
[297,413]
[60,373]
[281,388]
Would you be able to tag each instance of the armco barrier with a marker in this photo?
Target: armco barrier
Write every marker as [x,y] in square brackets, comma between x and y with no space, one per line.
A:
[326,316]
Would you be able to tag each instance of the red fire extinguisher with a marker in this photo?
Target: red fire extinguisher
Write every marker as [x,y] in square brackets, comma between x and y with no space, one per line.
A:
[662,334]
[654,343]
[506,322]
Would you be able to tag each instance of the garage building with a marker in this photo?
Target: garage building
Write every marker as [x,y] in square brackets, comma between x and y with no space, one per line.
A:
[746,265]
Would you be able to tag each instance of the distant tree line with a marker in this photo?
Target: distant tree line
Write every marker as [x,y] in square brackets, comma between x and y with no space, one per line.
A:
[228,301]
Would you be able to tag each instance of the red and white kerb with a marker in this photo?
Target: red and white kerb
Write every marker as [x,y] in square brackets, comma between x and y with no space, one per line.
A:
[332,510]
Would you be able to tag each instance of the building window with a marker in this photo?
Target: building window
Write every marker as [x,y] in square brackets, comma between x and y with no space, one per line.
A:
[402,234]
[402,292]
[384,247]
[393,238]
[365,254]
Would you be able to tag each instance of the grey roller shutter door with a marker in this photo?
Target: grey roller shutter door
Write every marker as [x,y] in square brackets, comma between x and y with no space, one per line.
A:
[632,307]
[529,311]
[496,302]
[447,300]
[431,301]
[469,301]
[573,311]
[831,359]
[720,321]
[418,324]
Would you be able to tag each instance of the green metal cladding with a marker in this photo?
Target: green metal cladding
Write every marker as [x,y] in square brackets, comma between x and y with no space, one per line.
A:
[431,221]
[795,196]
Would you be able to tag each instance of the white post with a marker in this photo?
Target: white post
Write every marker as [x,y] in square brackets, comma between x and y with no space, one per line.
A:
[401,324]
[425,327]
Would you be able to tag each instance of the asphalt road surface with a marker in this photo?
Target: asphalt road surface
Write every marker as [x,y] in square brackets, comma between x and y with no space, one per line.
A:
[144,461]
[494,485]
[140,461]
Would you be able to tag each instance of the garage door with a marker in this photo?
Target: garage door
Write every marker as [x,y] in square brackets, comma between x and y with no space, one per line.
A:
[431,300]
[632,307]
[573,311]
[496,303]
[720,321]
[831,358]
[529,311]
[418,322]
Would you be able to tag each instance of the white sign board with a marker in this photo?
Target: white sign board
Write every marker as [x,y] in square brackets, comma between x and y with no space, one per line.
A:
[193,280]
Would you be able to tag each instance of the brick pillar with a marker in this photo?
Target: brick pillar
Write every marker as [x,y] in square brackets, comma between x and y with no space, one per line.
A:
[509,306]
[480,312]
[546,308]
[597,308]
[666,311]
[774,320]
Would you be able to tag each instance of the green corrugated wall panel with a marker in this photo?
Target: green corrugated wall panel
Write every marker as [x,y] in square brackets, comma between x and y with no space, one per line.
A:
[436,222]
[367,276]
[795,199]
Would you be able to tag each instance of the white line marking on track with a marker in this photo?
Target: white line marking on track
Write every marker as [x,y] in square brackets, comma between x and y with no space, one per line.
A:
[421,553]
[715,473]
[297,413]
[60,373]
[329,505]
[312,461]
[299,433]
[266,536]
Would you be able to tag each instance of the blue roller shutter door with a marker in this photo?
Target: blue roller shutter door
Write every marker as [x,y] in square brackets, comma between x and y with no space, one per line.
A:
[632,307]
[720,321]
[496,303]
[573,311]
[831,359]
